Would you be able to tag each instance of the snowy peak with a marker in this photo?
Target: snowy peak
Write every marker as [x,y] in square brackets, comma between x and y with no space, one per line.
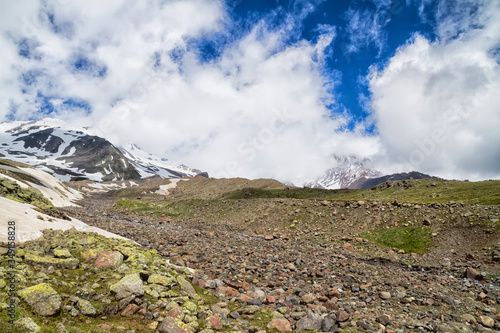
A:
[71,153]
[149,164]
[347,170]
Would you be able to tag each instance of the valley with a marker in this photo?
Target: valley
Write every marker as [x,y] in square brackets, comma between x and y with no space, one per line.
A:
[413,255]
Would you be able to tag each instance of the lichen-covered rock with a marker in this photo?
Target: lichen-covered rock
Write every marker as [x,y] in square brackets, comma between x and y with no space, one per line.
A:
[129,285]
[90,254]
[86,308]
[173,325]
[127,251]
[190,306]
[42,298]
[69,263]
[27,324]
[60,328]
[138,259]
[186,286]
[160,279]
[62,253]
[108,259]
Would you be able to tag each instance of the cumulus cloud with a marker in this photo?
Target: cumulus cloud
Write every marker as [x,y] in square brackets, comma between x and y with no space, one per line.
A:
[436,102]
[134,71]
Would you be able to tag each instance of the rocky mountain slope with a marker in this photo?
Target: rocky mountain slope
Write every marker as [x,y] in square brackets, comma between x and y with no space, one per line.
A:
[368,182]
[257,256]
[399,258]
[76,154]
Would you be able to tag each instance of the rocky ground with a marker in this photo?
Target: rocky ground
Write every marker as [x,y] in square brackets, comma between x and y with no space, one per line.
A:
[259,265]
[291,280]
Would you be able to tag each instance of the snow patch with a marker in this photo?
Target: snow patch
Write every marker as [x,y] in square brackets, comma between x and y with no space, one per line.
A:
[164,189]
[29,223]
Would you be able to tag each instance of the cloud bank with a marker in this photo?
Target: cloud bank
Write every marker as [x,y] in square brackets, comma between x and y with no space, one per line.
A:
[180,80]
[436,103]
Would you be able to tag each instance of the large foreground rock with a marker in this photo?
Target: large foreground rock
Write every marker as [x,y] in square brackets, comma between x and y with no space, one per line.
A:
[129,285]
[42,298]
[173,325]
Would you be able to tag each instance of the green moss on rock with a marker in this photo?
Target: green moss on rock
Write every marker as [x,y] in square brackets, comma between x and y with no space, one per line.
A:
[42,298]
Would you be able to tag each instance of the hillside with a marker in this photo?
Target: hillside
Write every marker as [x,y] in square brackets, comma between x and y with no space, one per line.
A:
[258,256]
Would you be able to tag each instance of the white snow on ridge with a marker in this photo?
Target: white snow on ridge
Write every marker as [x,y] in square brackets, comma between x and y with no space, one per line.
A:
[54,190]
[144,160]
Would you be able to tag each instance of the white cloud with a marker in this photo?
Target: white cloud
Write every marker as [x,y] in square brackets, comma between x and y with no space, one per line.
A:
[258,110]
[436,103]
[365,28]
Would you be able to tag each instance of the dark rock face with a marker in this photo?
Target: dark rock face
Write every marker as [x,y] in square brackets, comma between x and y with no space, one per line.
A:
[42,140]
[93,154]
[86,153]
[365,183]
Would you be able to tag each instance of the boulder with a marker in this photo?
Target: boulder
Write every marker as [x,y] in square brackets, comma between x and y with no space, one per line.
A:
[173,325]
[108,259]
[129,285]
[42,298]
[86,308]
[312,321]
[27,324]
[160,279]
[186,286]
[282,325]
[68,263]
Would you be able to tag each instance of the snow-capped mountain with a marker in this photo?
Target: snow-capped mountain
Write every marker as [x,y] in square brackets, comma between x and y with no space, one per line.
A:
[347,170]
[75,153]
[148,164]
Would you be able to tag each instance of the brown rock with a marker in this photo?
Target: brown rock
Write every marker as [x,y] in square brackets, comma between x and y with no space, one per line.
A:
[175,313]
[220,291]
[270,299]
[472,274]
[231,291]
[106,327]
[486,321]
[269,237]
[245,285]
[244,298]
[215,322]
[282,325]
[365,286]
[335,293]
[331,306]
[130,310]
[348,246]
[108,259]
[342,316]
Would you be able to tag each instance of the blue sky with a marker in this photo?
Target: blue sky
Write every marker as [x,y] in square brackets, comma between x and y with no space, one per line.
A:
[266,88]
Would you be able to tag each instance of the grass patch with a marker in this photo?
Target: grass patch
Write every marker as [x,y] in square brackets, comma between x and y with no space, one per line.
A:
[410,239]
[165,208]
[413,191]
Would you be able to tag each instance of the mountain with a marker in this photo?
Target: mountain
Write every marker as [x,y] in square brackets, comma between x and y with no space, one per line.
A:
[71,153]
[352,172]
[148,164]
[347,170]
[364,183]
